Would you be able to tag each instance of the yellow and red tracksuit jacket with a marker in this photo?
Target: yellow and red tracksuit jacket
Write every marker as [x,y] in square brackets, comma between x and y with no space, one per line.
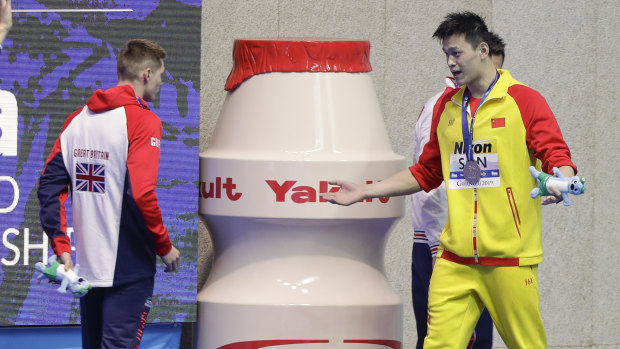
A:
[494,222]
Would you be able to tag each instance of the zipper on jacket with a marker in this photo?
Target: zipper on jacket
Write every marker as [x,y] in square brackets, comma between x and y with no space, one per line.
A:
[513,208]
[475,226]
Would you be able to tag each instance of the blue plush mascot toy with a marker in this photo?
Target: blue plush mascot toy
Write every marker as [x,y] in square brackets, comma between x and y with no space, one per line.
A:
[574,185]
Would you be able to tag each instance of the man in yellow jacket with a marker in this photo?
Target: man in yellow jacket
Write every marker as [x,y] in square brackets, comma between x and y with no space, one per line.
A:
[484,137]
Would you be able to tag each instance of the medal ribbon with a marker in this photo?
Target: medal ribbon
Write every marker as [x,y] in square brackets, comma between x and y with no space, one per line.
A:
[468,132]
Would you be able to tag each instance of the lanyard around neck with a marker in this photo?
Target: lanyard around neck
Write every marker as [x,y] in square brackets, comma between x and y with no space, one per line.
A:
[468,132]
[140,102]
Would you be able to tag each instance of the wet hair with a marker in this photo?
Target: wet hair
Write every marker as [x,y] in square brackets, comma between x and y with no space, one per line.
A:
[467,23]
[136,55]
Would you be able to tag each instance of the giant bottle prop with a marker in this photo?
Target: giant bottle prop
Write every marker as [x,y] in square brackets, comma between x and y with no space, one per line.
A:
[290,269]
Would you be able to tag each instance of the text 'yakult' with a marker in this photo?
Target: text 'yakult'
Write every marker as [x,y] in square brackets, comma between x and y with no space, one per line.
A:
[292,270]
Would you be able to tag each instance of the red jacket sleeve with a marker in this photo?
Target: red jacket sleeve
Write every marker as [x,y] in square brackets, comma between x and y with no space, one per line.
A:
[144,133]
[543,135]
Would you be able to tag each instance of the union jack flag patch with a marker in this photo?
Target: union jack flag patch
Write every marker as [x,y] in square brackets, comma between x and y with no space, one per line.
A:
[90,177]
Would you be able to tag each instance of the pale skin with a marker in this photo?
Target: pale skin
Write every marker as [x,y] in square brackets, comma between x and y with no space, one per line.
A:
[471,66]
[6,19]
[146,86]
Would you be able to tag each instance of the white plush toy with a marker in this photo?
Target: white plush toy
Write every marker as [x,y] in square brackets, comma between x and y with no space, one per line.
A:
[56,272]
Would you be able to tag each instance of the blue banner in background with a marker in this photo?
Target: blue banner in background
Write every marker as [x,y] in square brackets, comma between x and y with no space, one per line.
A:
[53,59]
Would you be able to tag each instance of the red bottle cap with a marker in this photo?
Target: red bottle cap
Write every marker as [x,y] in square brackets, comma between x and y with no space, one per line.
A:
[257,56]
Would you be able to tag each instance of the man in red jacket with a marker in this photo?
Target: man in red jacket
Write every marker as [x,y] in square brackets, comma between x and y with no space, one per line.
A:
[108,156]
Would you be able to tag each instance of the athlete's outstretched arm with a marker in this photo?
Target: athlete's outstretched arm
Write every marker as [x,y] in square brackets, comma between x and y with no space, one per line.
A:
[402,183]
[6,19]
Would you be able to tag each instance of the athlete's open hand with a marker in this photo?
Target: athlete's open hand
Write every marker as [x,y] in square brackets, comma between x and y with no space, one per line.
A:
[348,194]
[546,200]
[172,260]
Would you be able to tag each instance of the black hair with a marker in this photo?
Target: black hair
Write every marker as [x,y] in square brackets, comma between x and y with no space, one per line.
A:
[467,23]
[496,45]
